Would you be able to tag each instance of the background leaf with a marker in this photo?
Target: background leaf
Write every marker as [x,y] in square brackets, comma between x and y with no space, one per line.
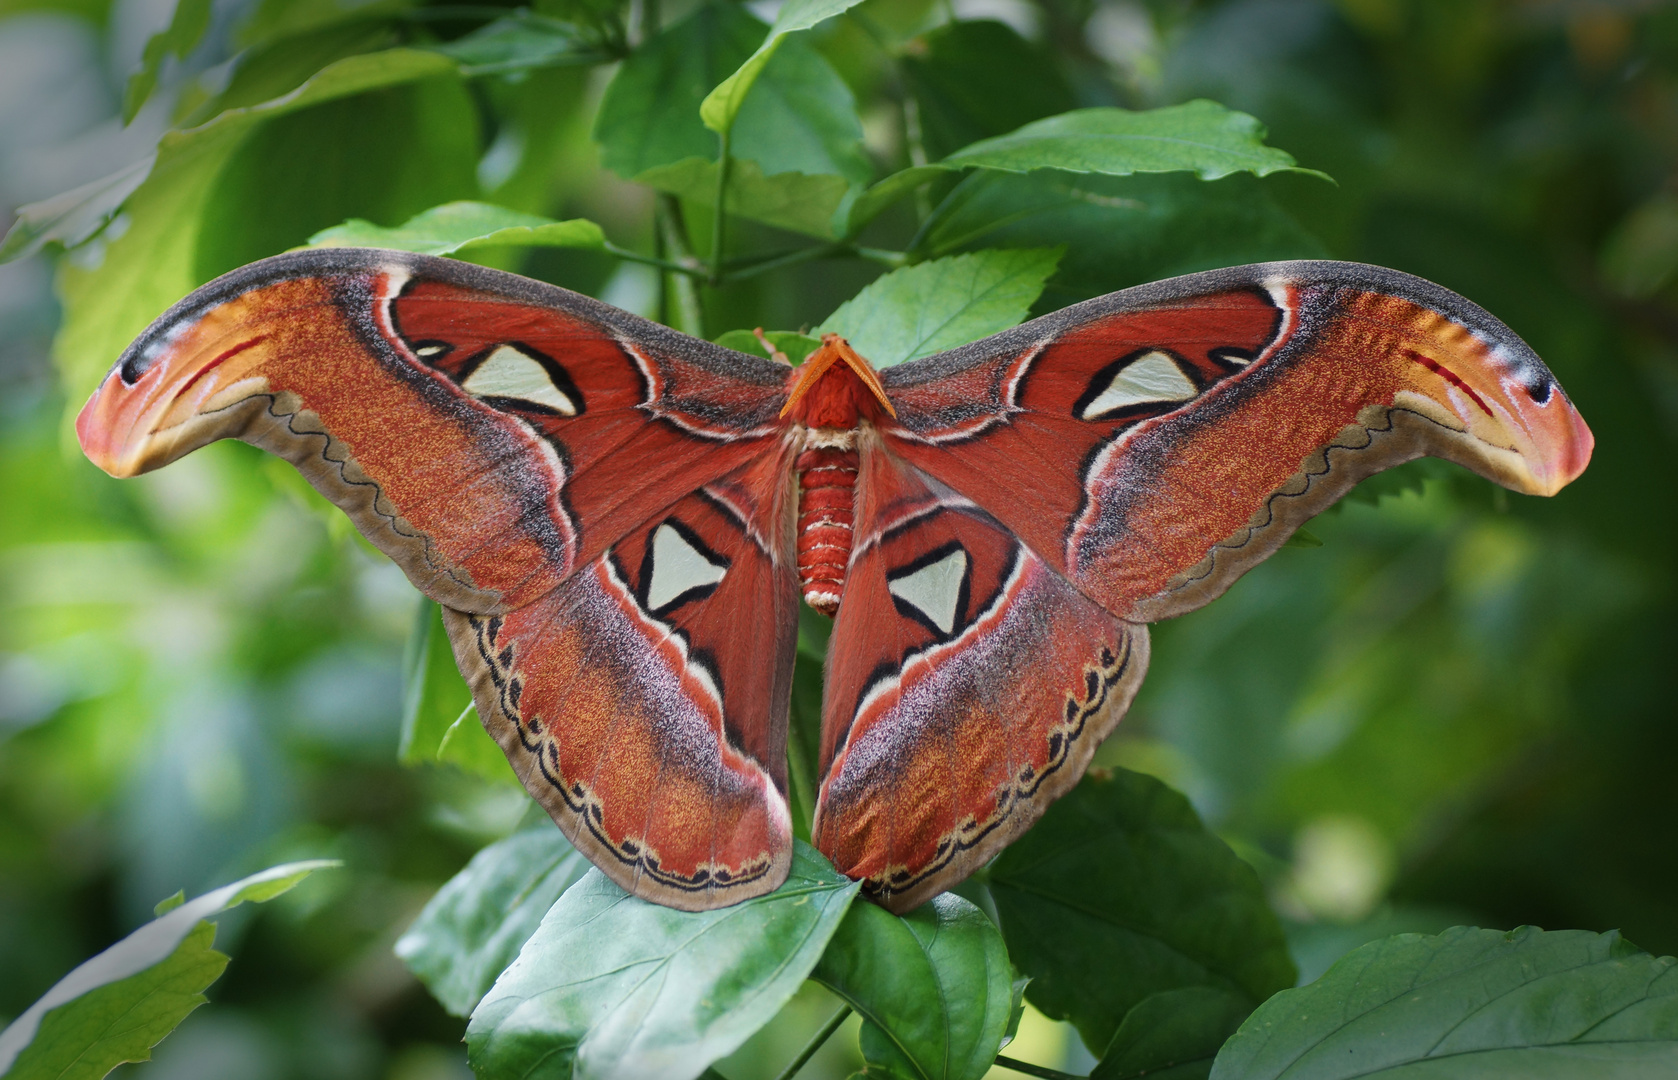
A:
[978,79]
[458,227]
[118,1005]
[172,243]
[1119,893]
[920,310]
[788,200]
[1173,1035]
[933,986]
[439,721]
[182,35]
[612,986]
[1471,1002]
[477,923]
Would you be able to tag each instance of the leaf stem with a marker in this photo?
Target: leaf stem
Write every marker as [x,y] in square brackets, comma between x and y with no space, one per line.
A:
[721,215]
[1035,1070]
[815,1043]
[690,269]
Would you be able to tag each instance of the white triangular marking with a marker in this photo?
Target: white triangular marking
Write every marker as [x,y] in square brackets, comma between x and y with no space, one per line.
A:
[1151,377]
[934,590]
[677,567]
[509,373]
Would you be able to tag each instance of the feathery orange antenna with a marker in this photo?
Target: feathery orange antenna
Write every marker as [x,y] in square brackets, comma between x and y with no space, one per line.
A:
[834,349]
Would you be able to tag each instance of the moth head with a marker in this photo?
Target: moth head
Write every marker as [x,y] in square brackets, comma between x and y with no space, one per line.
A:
[834,387]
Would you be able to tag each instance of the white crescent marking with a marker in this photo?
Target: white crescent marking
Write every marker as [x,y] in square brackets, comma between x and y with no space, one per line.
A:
[509,373]
[934,590]
[1151,377]
[677,567]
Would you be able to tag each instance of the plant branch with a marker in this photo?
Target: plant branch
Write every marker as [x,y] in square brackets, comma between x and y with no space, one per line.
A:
[682,309]
[1035,1070]
[751,267]
[721,214]
[815,1043]
[691,269]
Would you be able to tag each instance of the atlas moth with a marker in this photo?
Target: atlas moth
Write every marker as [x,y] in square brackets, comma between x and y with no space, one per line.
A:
[618,521]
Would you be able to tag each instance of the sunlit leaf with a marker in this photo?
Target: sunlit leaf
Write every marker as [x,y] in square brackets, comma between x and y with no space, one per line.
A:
[1119,893]
[1471,1003]
[1201,137]
[613,986]
[460,227]
[121,1003]
[477,923]
[723,104]
[794,346]
[933,987]
[920,310]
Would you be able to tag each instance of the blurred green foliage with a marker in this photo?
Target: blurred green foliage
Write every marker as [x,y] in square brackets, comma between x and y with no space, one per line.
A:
[1455,710]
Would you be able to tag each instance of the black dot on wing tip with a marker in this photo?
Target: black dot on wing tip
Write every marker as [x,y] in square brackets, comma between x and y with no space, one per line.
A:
[1542,392]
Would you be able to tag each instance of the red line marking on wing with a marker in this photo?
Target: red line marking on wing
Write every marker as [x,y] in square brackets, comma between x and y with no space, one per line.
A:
[1449,376]
[220,360]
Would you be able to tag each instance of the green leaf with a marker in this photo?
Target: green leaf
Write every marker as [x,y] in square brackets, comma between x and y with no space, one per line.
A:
[788,200]
[522,41]
[182,35]
[1118,231]
[460,227]
[1173,1035]
[723,104]
[613,986]
[793,345]
[158,259]
[801,117]
[649,115]
[74,217]
[1471,1003]
[1201,137]
[977,79]
[923,309]
[866,204]
[933,987]
[1119,893]
[439,722]
[480,919]
[121,1003]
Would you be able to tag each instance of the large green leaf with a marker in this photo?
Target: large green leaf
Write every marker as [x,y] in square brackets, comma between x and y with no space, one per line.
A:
[977,79]
[480,919]
[1120,892]
[933,987]
[649,115]
[920,310]
[157,260]
[1201,137]
[439,721]
[1118,231]
[462,227]
[788,200]
[121,1003]
[723,105]
[1173,1035]
[613,986]
[801,117]
[1471,1003]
